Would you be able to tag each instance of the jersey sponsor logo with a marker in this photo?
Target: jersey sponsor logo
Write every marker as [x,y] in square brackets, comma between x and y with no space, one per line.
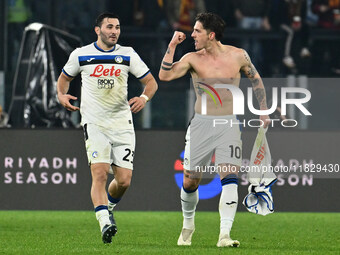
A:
[99,71]
[105,83]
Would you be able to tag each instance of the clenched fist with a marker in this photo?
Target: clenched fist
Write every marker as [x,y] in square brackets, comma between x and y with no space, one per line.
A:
[177,38]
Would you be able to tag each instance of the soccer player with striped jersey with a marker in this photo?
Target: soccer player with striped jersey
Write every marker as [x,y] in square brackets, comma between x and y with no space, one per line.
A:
[106,114]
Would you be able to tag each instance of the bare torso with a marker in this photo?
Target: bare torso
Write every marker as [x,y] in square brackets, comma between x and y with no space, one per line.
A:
[207,71]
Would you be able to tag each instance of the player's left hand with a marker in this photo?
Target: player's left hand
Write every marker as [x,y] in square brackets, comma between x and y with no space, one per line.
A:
[266,120]
[137,104]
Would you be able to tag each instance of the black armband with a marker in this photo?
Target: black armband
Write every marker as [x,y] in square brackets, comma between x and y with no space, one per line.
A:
[166,68]
[166,63]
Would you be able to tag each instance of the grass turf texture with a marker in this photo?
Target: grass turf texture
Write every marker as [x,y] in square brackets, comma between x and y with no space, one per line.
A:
[59,232]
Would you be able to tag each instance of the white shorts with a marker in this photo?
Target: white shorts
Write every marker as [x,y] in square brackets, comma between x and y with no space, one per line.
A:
[109,146]
[206,137]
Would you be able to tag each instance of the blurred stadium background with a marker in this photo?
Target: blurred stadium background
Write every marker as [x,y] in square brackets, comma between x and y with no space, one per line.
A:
[292,43]
[296,44]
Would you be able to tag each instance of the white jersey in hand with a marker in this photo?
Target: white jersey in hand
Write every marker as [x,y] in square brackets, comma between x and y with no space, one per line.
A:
[104,77]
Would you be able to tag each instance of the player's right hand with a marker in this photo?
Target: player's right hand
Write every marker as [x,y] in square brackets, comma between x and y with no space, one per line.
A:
[177,38]
[64,100]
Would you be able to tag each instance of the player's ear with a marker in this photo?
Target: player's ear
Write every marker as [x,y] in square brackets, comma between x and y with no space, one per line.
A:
[97,30]
[211,35]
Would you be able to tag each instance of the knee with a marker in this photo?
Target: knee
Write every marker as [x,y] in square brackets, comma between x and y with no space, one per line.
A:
[191,180]
[99,175]
[190,184]
[124,182]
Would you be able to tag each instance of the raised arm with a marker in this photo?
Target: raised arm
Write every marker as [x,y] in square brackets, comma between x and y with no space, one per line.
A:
[250,71]
[63,85]
[169,70]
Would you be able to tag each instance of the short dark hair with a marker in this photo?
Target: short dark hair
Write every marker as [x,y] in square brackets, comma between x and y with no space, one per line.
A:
[104,15]
[213,23]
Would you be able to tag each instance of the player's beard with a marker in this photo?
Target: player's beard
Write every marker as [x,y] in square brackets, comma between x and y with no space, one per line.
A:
[106,40]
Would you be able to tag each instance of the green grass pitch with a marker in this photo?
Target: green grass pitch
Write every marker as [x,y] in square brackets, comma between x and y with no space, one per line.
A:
[72,232]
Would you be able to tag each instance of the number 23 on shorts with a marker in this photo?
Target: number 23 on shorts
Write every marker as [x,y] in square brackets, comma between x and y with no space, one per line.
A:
[129,155]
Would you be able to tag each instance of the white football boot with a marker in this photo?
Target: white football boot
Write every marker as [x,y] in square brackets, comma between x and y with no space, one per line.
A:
[226,241]
[185,237]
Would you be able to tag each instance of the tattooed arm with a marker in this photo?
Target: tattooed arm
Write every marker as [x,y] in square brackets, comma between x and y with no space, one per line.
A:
[250,71]
[169,70]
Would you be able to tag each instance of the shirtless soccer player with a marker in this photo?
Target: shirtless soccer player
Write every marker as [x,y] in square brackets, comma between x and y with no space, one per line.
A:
[212,63]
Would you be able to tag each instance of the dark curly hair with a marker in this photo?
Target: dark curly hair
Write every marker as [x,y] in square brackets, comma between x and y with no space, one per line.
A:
[213,23]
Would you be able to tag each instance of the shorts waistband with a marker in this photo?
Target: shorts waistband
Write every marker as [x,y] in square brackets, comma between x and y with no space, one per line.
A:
[212,117]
